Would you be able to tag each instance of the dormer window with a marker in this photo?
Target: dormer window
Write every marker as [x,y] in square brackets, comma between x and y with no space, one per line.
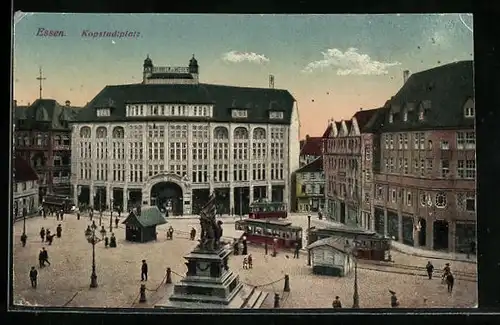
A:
[391,118]
[276,115]
[239,113]
[421,115]
[469,110]
[405,116]
[101,112]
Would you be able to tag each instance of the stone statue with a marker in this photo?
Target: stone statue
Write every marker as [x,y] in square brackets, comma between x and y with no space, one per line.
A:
[218,232]
[210,234]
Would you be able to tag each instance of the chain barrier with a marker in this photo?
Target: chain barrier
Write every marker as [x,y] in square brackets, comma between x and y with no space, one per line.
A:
[158,287]
[182,276]
[135,300]
[71,299]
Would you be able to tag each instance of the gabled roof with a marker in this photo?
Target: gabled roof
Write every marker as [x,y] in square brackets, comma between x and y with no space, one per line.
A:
[46,111]
[313,167]
[441,91]
[150,216]
[327,132]
[23,171]
[313,146]
[224,98]
[337,243]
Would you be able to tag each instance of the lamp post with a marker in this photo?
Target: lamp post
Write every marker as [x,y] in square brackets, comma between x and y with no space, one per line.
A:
[100,207]
[92,239]
[308,240]
[265,237]
[111,216]
[275,244]
[355,296]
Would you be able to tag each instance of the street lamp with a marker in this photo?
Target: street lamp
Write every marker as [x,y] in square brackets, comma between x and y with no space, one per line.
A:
[355,296]
[275,244]
[308,240]
[92,239]
[265,237]
[100,207]
[111,217]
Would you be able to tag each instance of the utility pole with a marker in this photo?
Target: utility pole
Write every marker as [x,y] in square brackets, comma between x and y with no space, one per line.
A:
[40,79]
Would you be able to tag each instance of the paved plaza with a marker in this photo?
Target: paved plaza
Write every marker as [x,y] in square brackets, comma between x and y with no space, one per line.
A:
[66,281]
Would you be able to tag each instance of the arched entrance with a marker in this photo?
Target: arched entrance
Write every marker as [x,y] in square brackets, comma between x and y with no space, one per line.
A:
[167,196]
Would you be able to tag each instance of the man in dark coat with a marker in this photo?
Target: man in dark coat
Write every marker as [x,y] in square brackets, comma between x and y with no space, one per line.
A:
[59,231]
[336,303]
[296,250]
[144,271]
[430,268]
[117,220]
[33,277]
[42,234]
[40,259]
[45,255]
[450,279]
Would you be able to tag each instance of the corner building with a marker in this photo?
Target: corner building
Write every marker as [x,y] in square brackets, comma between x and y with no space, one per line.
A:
[425,187]
[170,141]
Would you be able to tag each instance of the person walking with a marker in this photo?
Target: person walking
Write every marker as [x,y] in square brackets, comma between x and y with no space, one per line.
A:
[144,271]
[430,268]
[446,271]
[33,277]
[394,299]
[450,279]
[40,259]
[42,234]
[59,231]
[296,250]
[45,256]
[336,303]
[117,220]
[250,261]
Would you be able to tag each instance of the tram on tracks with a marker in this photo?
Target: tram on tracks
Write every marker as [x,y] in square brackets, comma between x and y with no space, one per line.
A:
[258,231]
[369,244]
[262,209]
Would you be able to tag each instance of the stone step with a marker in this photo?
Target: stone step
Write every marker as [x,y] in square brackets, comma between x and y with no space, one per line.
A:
[262,297]
[251,299]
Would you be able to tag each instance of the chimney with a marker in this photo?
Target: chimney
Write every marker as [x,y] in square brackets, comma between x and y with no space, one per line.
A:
[307,137]
[360,109]
[406,75]
[67,103]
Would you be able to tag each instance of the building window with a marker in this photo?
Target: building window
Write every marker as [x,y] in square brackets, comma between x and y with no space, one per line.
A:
[386,141]
[380,193]
[391,165]
[445,168]
[391,118]
[470,140]
[391,142]
[405,145]
[422,141]
[421,115]
[423,199]
[368,152]
[405,116]
[239,113]
[400,141]
[469,111]
[470,169]
[416,140]
[430,167]
[400,165]
[429,144]
[406,169]
[393,195]
[441,200]
[470,202]
[103,112]
[444,145]
[408,198]
[276,115]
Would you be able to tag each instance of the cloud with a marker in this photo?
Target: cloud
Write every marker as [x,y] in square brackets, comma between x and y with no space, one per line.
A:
[237,57]
[350,62]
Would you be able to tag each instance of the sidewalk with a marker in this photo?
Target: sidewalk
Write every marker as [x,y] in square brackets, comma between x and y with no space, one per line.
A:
[409,250]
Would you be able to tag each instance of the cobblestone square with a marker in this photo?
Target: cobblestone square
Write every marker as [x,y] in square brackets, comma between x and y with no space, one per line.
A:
[118,271]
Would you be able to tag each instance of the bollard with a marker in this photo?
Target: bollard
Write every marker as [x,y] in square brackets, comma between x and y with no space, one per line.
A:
[276,300]
[142,292]
[169,276]
[286,288]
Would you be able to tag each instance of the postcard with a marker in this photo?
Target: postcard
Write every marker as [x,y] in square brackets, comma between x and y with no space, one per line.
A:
[265,162]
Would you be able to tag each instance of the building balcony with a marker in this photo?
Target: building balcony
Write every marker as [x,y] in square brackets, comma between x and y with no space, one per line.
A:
[61,147]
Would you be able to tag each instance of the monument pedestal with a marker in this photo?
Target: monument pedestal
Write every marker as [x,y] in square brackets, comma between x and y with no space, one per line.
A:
[210,284]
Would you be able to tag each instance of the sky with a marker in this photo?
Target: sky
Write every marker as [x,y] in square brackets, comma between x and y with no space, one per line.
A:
[333,65]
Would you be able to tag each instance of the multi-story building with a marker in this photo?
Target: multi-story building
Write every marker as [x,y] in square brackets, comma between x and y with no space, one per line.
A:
[42,137]
[310,187]
[347,172]
[171,140]
[425,192]
[310,150]
[25,200]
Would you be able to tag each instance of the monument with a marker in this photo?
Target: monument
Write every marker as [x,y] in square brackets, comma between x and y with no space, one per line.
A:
[209,283]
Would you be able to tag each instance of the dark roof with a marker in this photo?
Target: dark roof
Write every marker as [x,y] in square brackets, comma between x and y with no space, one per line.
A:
[23,171]
[337,243]
[313,167]
[45,111]
[364,117]
[258,101]
[441,91]
[338,125]
[327,132]
[312,146]
[348,124]
[150,216]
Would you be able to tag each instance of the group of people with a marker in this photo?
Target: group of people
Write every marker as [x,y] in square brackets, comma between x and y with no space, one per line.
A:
[248,262]
[447,276]
[43,257]
[47,236]
[170,233]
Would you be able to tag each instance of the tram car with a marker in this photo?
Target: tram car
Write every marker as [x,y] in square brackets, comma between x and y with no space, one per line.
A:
[58,202]
[258,231]
[369,244]
[262,209]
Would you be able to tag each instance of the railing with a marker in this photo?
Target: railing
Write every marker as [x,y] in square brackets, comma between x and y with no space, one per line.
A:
[57,180]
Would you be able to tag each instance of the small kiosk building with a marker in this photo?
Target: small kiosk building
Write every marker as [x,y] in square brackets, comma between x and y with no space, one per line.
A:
[331,256]
[141,226]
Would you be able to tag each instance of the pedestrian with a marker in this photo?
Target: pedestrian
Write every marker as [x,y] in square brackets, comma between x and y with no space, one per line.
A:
[40,259]
[336,303]
[117,220]
[59,231]
[44,213]
[24,238]
[250,261]
[430,268]
[394,299]
[106,241]
[296,250]
[144,271]
[62,215]
[245,263]
[42,234]
[112,241]
[33,277]
[78,215]
[47,233]
[91,214]
[49,239]
[45,256]
[446,270]
[193,233]
[450,279]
